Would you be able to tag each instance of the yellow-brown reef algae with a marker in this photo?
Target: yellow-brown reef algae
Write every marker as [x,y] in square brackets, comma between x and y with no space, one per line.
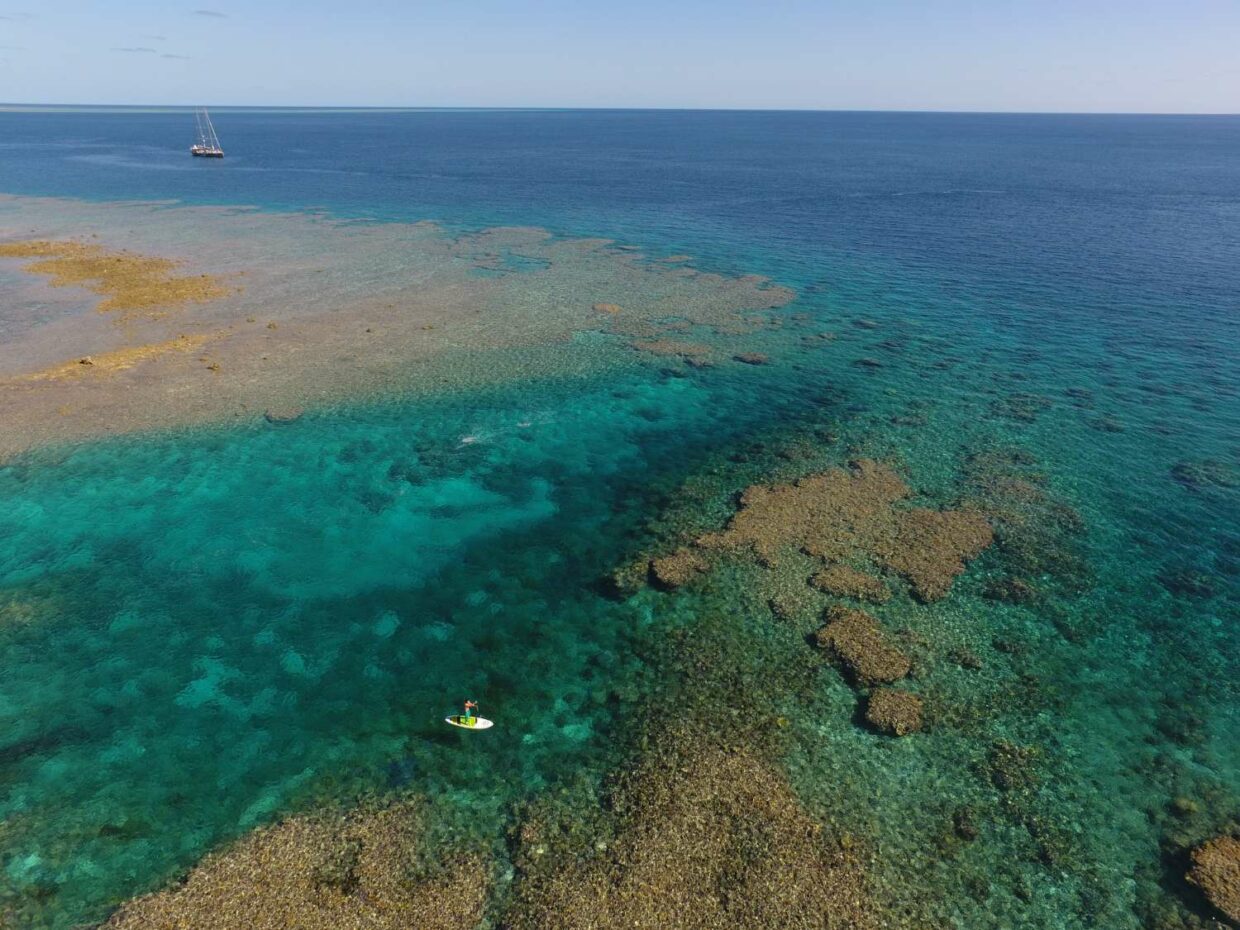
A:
[118,360]
[126,281]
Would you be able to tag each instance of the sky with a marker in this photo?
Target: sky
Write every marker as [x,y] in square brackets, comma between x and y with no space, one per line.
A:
[1169,56]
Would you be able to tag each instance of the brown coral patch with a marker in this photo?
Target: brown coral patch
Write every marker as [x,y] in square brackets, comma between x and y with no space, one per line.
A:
[845,514]
[1216,871]
[843,581]
[677,569]
[857,640]
[930,548]
[894,712]
[321,872]
[606,308]
[709,839]
[125,280]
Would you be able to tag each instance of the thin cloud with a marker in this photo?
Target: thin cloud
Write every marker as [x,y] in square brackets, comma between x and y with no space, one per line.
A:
[138,50]
[214,13]
[182,57]
[156,38]
[12,48]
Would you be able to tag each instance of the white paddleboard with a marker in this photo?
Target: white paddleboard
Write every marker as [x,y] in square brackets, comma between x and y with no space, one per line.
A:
[479,723]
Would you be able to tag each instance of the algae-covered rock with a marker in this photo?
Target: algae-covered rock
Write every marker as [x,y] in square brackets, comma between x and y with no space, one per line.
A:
[895,712]
[1216,871]
[857,640]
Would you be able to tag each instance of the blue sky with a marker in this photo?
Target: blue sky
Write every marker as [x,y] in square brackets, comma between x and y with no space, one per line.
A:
[1084,55]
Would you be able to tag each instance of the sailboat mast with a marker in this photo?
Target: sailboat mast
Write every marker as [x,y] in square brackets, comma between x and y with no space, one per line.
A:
[213,140]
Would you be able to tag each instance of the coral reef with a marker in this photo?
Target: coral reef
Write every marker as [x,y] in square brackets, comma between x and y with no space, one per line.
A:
[1037,535]
[126,281]
[752,358]
[708,838]
[843,581]
[848,514]
[671,347]
[330,311]
[891,711]
[328,871]
[858,642]
[1023,408]
[679,568]
[1216,871]
[1209,473]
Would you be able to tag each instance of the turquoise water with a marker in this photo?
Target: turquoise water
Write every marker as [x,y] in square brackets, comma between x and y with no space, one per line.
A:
[202,630]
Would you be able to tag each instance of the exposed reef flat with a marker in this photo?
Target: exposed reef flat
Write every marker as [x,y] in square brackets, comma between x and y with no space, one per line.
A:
[326,871]
[302,311]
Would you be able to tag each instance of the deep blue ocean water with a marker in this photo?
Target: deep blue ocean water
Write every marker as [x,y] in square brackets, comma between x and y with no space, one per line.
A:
[231,623]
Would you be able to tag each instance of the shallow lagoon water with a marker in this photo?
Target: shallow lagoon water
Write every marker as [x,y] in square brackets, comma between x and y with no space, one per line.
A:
[205,629]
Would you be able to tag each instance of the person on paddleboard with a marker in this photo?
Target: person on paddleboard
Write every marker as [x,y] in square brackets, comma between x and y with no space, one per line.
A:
[469,715]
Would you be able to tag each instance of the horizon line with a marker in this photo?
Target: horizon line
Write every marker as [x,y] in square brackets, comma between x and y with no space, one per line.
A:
[174,107]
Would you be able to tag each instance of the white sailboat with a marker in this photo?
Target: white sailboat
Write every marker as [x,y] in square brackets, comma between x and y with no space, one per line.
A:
[208,144]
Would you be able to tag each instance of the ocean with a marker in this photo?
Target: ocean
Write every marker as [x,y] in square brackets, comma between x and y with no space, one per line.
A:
[203,629]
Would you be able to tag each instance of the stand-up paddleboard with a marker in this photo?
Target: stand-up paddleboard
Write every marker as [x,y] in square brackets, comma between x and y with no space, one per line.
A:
[469,723]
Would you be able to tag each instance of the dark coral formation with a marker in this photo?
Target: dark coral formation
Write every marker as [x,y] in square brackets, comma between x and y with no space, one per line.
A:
[859,643]
[1037,535]
[671,347]
[321,872]
[1216,871]
[1023,408]
[1209,473]
[843,515]
[708,838]
[895,712]
[843,581]
[752,358]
